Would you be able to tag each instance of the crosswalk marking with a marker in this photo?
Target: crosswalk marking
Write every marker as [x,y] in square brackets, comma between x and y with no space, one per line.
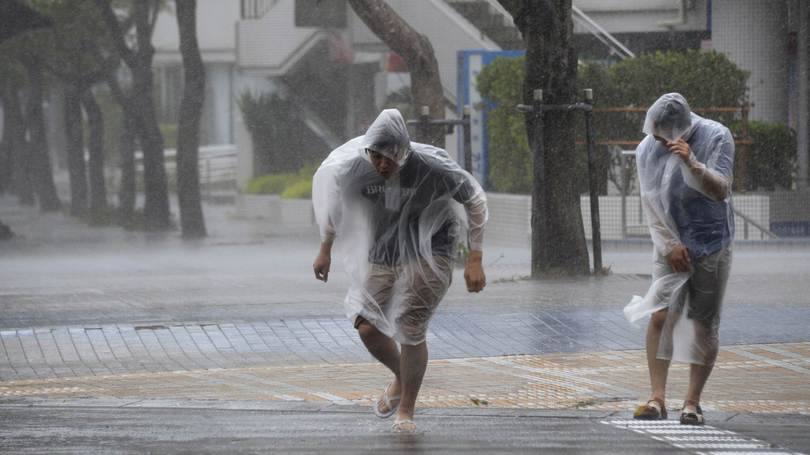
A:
[704,440]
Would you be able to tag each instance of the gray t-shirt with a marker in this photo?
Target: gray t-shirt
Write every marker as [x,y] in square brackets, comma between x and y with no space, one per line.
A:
[423,184]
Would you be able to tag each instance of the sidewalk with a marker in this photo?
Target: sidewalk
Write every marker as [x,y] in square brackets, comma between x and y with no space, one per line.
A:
[230,340]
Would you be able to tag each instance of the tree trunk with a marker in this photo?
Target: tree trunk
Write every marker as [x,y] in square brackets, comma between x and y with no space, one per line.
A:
[188,139]
[126,191]
[139,61]
[551,65]
[18,146]
[74,140]
[416,50]
[128,138]
[6,159]
[42,172]
[156,195]
[95,166]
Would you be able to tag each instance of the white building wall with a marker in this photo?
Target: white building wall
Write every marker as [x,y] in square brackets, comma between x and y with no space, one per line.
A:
[447,31]
[752,33]
[273,43]
[216,22]
[219,82]
[216,36]
[634,16]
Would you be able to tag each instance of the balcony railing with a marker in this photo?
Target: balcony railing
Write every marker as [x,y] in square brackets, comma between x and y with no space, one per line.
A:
[256,9]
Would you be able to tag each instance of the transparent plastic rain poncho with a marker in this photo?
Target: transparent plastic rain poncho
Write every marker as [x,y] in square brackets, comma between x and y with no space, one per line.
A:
[398,237]
[686,204]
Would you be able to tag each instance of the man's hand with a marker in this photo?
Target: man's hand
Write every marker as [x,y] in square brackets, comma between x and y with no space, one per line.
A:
[681,149]
[323,261]
[679,259]
[474,272]
[321,267]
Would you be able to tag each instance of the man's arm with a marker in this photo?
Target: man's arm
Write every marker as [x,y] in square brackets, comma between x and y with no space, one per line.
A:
[476,207]
[323,260]
[714,183]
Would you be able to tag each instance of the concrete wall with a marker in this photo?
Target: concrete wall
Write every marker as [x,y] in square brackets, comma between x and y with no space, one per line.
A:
[272,43]
[753,34]
[510,218]
[628,16]
[216,20]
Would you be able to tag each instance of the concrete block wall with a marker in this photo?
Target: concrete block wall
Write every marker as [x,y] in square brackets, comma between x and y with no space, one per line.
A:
[510,218]
[287,212]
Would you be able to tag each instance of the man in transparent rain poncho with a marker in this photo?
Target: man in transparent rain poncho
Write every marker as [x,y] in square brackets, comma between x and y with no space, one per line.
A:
[685,168]
[395,209]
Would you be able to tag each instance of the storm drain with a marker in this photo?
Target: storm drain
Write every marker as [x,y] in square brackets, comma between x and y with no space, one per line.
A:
[705,440]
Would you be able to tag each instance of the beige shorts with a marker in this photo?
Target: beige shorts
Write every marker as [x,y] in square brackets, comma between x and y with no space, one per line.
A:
[402,299]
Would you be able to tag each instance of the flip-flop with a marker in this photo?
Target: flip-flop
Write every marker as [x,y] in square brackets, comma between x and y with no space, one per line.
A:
[653,410]
[387,401]
[692,415]
[403,426]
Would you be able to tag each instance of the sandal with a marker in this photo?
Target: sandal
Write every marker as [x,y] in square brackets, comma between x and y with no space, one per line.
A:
[652,410]
[692,414]
[403,426]
[388,402]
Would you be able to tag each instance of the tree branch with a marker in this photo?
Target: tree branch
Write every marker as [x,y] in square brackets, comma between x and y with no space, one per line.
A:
[392,29]
[116,31]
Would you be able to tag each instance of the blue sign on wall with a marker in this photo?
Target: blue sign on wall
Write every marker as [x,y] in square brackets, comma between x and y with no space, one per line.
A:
[470,64]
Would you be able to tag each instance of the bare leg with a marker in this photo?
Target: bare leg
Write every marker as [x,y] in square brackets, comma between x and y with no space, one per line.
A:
[699,374]
[413,365]
[383,349]
[659,369]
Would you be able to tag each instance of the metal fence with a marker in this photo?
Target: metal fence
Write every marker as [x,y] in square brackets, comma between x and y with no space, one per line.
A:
[760,215]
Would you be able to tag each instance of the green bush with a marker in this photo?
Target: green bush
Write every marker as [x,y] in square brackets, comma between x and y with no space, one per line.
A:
[290,185]
[772,159]
[704,78]
[169,133]
[270,183]
[301,189]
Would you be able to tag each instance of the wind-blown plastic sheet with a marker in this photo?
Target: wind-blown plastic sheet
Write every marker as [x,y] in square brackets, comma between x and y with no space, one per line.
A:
[397,236]
[682,210]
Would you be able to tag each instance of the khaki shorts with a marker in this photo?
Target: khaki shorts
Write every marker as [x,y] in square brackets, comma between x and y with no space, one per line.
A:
[702,297]
[415,290]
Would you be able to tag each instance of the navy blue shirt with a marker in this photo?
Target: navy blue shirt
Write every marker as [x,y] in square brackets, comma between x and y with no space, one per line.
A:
[705,226]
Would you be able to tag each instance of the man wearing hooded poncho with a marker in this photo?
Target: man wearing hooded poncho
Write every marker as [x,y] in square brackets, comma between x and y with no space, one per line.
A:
[685,170]
[395,209]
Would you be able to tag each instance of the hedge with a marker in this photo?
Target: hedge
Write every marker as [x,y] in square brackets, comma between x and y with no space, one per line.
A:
[706,79]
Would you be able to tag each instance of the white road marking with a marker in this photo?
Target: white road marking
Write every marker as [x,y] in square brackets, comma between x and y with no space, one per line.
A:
[704,440]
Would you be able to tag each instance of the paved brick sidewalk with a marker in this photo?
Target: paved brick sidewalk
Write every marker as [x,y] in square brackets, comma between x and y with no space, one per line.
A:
[748,379]
[102,349]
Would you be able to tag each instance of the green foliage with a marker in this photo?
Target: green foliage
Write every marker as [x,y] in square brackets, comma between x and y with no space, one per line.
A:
[510,160]
[169,133]
[290,185]
[704,78]
[772,159]
[270,183]
[277,133]
[301,189]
